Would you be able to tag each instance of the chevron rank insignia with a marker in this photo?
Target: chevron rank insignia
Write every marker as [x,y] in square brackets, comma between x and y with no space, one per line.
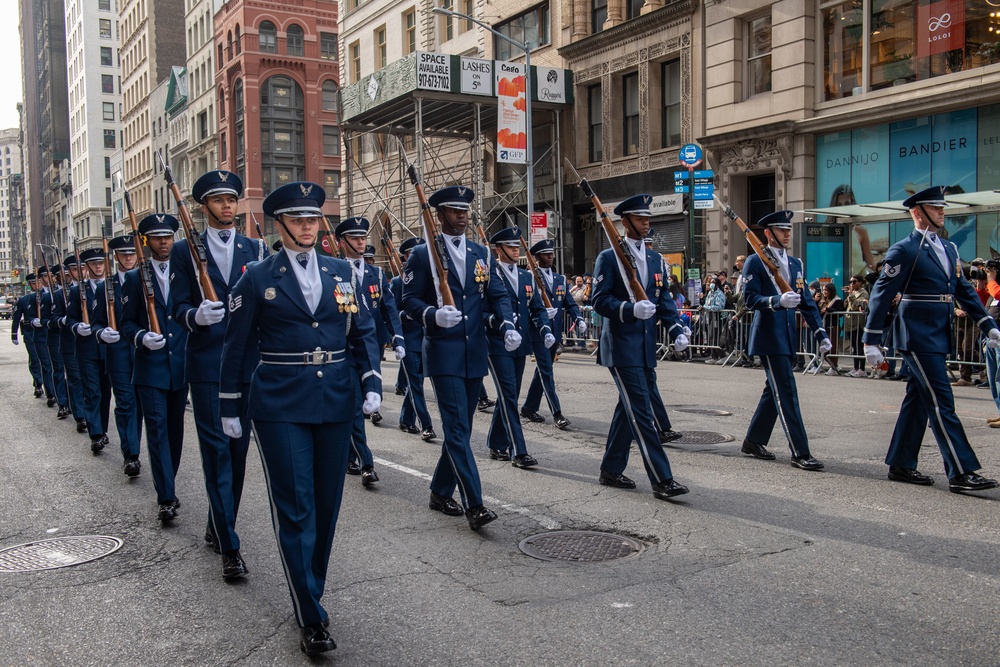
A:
[891,271]
[407,277]
[234,303]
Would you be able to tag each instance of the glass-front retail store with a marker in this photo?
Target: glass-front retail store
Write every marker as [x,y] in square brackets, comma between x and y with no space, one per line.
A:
[876,44]
[866,173]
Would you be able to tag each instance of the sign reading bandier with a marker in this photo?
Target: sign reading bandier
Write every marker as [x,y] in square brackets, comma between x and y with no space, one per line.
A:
[433,71]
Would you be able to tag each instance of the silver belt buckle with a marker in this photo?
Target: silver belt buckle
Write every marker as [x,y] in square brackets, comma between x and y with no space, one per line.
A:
[946,298]
[318,357]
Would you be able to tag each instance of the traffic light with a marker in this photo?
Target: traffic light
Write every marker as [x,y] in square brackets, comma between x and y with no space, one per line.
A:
[15,273]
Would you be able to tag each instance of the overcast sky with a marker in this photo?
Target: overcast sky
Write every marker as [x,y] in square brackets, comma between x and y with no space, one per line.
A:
[10,64]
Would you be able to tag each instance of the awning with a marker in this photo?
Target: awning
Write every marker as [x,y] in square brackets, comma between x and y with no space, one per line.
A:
[964,203]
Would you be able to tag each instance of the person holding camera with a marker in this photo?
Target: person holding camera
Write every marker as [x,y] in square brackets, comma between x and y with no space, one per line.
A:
[857,302]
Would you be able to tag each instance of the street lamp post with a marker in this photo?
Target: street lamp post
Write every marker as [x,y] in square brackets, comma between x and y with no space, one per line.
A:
[529,177]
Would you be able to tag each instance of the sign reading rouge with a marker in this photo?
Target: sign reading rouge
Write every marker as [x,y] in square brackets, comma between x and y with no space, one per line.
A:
[940,27]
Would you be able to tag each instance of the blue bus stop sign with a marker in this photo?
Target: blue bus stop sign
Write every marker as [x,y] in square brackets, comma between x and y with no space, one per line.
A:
[690,155]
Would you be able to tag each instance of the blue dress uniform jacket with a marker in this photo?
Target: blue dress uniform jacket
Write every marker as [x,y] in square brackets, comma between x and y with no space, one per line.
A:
[773,330]
[562,301]
[91,358]
[411,369]
[54,344]
[532,320]
[67,347]
[922,331]
[87,347]
[542,381]
[21,322]
[413,331]
[382,303]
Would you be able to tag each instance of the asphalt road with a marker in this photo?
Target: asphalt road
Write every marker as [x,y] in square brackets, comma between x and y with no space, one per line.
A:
[761,564]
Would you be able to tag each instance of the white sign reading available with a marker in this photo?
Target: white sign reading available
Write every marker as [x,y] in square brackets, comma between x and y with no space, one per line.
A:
[433,71]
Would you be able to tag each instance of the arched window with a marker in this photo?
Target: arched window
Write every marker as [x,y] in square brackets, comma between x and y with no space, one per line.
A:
[222,104]
[239,42]
[267,36]
[282,135]
[220,56]
[229,45]
[295,40]
[330,89]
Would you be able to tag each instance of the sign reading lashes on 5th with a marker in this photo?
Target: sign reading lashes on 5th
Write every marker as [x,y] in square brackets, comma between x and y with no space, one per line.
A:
[433,71]
[477,76]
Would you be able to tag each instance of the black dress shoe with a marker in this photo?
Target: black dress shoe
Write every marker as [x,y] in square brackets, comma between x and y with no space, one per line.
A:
[499,456]
[446,505]
[233,566]
[376,418]
[479,517]
[316,640]
[427,434]
[63,412]
[532,416]
[560,421]
[400,391]
[670,435]
[669,489]
[353,468]
[50,401]
[212,541]
[897,378]
[756,450]
[132,468]
[804,463]
[368,476]
[485,404]
[408,429]
[910,476]
[81,425]
[971,482]
[38,392]
[97,443]
[166,513]
[617,481]
[523,461]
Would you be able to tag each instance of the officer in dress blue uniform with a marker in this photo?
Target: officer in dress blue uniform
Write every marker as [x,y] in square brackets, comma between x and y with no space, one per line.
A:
[628,348]
[505,437]
[927,271]
[158,370]
[21,321]
[455,346]
[352,235]
[119,353]
[67,344]
[91,355]
[52,342]
[34,311]
[317,349]
[543,381]
[223,458]
[411,368]
[773,336]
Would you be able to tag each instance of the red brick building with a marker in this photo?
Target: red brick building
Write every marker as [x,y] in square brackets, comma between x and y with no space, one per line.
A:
[277,79]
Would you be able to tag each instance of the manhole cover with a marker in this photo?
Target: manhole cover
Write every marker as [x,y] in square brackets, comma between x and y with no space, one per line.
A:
[705,411]
[580,546]
[703,438]
[57,552]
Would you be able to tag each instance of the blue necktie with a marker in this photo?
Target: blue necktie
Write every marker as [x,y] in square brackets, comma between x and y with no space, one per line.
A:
[457,242]
[224,235]
[303,258]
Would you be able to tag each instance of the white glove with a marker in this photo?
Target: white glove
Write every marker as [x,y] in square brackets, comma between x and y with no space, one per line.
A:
[372,403]
[447,316]
[994,341]
[153,341]
[644,309]
[549,341]
[681,343]
[790,300]
[209,313]
[824,347]
[873,355]
[552,312]
[37,323]
[62,321]
[686,331]
[511,341]
[400,352]
[231,427]
[82,329]
[581,327]
[109,335]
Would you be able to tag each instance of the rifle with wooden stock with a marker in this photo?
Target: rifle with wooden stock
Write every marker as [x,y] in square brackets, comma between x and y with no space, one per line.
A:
[539,278]
[758,247]
[145,269]
[82,291]
[198,251]
[109,286]
[624,255]
[390,250]
[435,244]
[48,271]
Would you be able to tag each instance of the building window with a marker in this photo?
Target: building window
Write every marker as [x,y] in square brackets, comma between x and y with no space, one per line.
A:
[531,28]
[107,167]
[355,62]
[449,21]
[104,5]
[107,196]
[109,138]
[758,41]
[671,122]
[760,196]
[295,40]
[239,40]
[238,126]
[595,133]
[282,140]
[632,9]
[109,110]
[331,140]
[410,31]
[598,15]
[380,47]
[331,183]
[630,113]
[267,37]
[222,104]
[107,56]
[108,84]
[330,95]
[223,148]
[203,126]
[328,46]
[104,26]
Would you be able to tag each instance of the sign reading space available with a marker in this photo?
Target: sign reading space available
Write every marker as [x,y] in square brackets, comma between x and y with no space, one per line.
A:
[433,71]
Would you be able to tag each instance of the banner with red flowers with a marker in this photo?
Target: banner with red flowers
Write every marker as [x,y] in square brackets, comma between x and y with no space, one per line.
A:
[512,142]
